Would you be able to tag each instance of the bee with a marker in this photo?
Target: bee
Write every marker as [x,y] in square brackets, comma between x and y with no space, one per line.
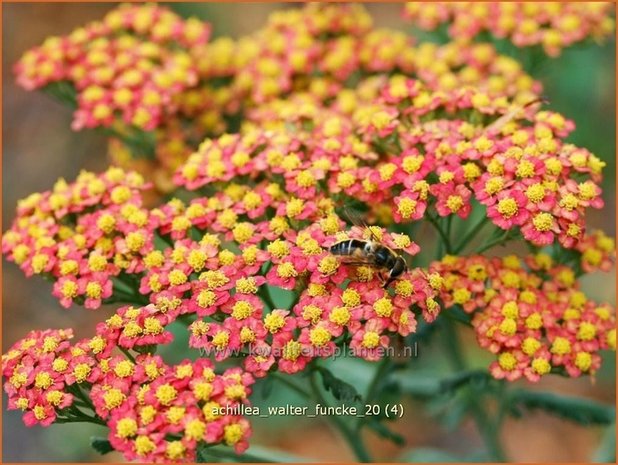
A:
[372,252]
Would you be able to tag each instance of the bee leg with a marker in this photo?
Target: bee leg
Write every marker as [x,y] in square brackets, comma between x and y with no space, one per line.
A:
[388,281]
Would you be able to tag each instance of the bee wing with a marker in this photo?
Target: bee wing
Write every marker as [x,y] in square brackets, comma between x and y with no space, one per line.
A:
[357,261]
[355,219]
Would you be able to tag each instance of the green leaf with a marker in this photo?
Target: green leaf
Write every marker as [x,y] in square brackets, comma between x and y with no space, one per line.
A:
[63,91]
[386,433]
[341,390]
[161,243]
[475,378]
[121,286]
[458,314]
[454,413]
[101,445]
[417,384]
[582,411]
[429,385]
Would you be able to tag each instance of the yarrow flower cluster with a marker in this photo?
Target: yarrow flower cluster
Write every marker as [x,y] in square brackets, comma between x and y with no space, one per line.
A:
[156,412]
[83,234]
[131,64]
[221,77]
[269,145]
[531,314]
[383,153]
[554,26]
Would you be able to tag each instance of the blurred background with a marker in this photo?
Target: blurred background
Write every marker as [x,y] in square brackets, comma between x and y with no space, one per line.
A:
[39,147]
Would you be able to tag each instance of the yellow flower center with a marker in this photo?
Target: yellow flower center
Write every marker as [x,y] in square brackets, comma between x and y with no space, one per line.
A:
[292,350]
[319,336]
[242,310]
[69,289]
[305,179]
[586,332]
[494,185]
[43,380]
[383,307]
[507,361]
[166,394]
[242,232]
[81,372]
[454,203]
[286,270]
[534,321]
[535,192]
[340,316]
[371,339]
[530,345]
[404,288]
[221,339]
[583,361]
[525,169]
[507,207]
[232,434]
[294,207]
[177,277]
[543,221]
[124,369]
[195,430]
[461,296]
[561,346]
[273,322]
[113,398]
[541,366]
[406,207]
[508,327]
[328,265]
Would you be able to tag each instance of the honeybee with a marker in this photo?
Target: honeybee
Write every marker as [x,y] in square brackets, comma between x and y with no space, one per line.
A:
[371,252]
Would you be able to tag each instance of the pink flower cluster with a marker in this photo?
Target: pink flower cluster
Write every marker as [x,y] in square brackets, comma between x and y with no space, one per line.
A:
[83,234]
[226,294]
[534,317]
[164,73]
[384,152]
[129,65]
[156,412]
[552,25]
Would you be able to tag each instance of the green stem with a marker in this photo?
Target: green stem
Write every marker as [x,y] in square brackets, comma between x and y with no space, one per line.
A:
[264,293]
[501,240]
[488,429]
[76,390]
[127,353]
[186,319]
[74,415]
[449,222]
[443,236]
[378,378]
[80,419]
[470,235]
[353,439]
[284,380]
